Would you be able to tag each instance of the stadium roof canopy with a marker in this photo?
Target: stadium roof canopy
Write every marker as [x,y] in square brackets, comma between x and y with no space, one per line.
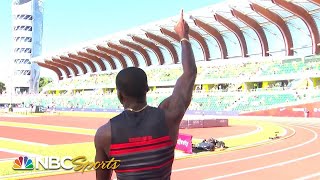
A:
[238,28]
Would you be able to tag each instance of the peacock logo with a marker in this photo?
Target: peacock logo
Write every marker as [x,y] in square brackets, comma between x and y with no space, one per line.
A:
[23,163]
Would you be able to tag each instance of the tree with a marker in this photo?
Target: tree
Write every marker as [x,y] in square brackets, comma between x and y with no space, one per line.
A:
[43,82]
[2,87]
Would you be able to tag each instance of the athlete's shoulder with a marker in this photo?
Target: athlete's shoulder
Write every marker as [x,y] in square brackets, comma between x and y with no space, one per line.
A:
[103,133]
[155,110]
[117,117]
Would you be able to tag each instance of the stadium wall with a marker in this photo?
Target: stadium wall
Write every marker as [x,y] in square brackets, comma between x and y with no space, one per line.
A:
[289,111]
[94,111]
[192,112]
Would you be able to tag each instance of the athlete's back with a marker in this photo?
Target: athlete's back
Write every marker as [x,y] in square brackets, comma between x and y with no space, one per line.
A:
[141,141]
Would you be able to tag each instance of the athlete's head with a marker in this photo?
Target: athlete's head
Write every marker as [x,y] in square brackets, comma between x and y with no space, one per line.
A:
[132,83]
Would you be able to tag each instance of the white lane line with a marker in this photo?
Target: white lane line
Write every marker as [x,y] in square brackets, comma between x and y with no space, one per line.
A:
[303,123]
[315,136]
[21,141]
[309,176]
[272,165]
[267,167]
[8,159]
[265,142]
[20,153]
[177,170]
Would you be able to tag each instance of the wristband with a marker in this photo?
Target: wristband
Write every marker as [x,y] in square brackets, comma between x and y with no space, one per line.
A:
[184,39]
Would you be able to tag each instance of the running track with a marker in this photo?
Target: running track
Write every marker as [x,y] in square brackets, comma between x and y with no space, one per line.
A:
[44,137]
[295,157]
[95,123]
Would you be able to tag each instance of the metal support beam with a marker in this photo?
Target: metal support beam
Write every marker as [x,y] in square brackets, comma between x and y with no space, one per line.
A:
[166,44]
[151,46]
[236,30]
[68,64]
[213,32]
[103,55]
[256,27]
[80,64]
[203,44]
[169,33]
[317,2]
[279,22]
[62,67]
[80,59]
[95,59]
[127,52]
[138,48]
[115,54]
[53,68]
[306,18]
[193,34]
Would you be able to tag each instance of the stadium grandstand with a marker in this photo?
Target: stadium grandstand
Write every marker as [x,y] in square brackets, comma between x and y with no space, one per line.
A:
[251,55]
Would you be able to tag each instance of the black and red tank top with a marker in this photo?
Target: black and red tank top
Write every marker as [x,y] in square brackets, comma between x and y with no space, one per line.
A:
[141,141]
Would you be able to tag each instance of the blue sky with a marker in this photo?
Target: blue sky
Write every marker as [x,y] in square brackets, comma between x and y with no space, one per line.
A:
[68,22]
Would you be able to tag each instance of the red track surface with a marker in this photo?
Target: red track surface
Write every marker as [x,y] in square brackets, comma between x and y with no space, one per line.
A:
[79,122]
[294,157]
[7,155]
[94,123]
[41,136]
[262,162]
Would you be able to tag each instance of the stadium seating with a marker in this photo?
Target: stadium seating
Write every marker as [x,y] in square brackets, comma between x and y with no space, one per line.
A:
[230,70]
[279,69]
[264,100]
[206,71]
[218,101]
[86,91]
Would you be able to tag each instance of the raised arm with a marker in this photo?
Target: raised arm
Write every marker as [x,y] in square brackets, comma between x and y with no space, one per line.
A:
[176,105]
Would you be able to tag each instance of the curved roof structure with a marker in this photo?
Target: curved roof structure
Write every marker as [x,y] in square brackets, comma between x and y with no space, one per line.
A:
[238,28]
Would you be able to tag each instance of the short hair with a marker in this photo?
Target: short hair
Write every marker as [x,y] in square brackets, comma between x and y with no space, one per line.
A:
[132,82]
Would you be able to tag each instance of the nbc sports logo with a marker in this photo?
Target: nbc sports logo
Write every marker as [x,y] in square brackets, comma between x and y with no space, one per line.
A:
[79,163]
[23,163]
[47,163]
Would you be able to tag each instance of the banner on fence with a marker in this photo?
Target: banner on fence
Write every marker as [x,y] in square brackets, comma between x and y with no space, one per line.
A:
[184,143]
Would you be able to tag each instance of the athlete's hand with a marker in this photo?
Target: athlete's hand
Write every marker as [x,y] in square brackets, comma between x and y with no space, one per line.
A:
[182,28]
